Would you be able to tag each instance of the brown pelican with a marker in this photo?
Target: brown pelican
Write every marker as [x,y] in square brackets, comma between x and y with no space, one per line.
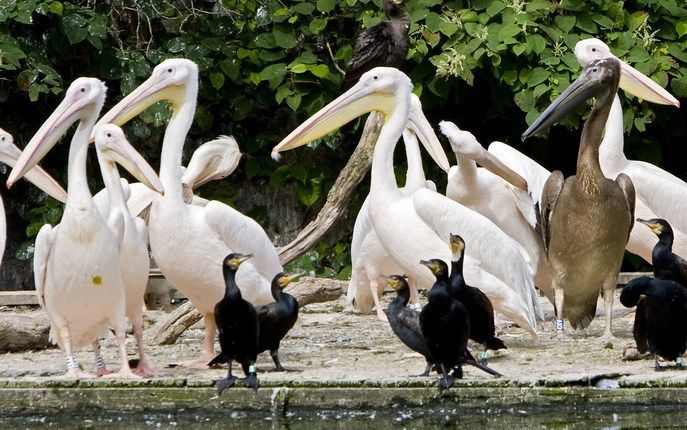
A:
[76,264]
[586,219]
[385,44]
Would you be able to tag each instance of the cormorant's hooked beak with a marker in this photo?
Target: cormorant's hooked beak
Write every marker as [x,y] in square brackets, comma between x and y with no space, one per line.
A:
[57,124]
[9,154]
[585,87]
[636,83]
[358,100]
[240,258]
[391,281]
[287,278]
[654,226]
[418,124]
[125,155]
[456,243]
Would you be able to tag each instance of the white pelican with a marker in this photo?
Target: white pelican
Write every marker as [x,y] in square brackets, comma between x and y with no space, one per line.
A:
[370,261]
[112,147]
[189,242]
[659,194]
[9,154]
[415,227]
[76,264]
[485,192]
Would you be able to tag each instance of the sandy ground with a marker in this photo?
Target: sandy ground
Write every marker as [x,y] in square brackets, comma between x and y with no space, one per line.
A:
[334,343]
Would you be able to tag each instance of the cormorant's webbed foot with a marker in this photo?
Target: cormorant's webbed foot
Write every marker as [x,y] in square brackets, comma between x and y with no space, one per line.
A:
[251,381]
[223,384]
[657,366]
[445,380]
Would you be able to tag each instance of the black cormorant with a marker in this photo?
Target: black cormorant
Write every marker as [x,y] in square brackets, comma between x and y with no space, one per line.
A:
[661,325]
[445,326]
[405,323]
[385,44]
[237,323]
[666,264]
[276,319]
[479,307]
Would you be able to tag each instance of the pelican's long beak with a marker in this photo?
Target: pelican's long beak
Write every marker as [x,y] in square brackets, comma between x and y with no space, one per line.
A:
[636,83]
[418,124]
[66,114]
[489,161]
[36,175]
[358,100]
[153,90]
[582,89]
[125,155]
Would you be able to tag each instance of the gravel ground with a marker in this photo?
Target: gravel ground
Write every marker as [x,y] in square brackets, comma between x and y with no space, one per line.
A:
[333,343]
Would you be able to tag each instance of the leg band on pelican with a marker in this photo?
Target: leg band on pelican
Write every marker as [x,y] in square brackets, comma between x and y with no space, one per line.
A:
[71,363]
[99,362]
[559,325]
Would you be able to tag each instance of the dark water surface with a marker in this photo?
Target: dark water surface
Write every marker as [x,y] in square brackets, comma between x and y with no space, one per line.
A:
[416,418]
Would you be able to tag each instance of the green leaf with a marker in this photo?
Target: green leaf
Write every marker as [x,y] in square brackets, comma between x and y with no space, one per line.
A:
[252,168]
[565,23]
[176,45]
[284,39]
[637,19]
[273,71]
[265,40]
[283,92]
[537,76]
[325,5]
[586,24]
[56,8]
[320,70]
[495,7]
[299,68]
[603,21]
[681,28]
[217,80]
[317,25]
[508,31]
[679,86]
[537,43]
[525,100]
[294,101]
[74,28]
[303,8]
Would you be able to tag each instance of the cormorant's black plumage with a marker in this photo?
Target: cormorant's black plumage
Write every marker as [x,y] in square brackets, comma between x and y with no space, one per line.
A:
[661,324]
[385,44]
[405,323]
[444,324]
[479,307]
[276,319]
[237,324]
[666,264]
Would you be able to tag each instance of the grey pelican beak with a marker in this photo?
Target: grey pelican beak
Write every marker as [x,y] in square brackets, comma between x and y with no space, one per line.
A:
[9,154]
[585,87]
[636,83]
[57,124]
[358,100]
[119,150]
[418,124]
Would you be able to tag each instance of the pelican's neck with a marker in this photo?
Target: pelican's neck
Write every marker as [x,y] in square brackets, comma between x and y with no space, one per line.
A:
[467,168]
[113,185]
[382,175]
[611,149]
[592,134]
[415,175]
[77,181]
[173,143]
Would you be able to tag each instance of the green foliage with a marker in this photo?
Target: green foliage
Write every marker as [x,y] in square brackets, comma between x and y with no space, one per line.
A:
[267,65]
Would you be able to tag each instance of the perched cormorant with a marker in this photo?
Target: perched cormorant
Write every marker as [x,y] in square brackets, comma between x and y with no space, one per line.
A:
[237,323]
[276,319]
[586,218]
[666,264]
[661,325]
[405,323]
[444,324]
[479,308]
[385,44]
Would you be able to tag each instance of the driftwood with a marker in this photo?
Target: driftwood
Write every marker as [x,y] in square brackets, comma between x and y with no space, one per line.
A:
[306,290]
[339,195]
[23,332]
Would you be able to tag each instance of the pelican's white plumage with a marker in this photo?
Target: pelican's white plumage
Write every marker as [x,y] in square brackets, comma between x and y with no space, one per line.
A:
[659,194]
[485,192]
[76,264]
[190,242]
[414,227]
[112,147]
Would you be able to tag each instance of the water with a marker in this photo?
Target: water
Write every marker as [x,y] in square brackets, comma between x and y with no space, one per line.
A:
[415,418]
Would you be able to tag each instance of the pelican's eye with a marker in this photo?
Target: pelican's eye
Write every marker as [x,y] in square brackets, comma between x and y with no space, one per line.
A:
[593,49]
[109,134]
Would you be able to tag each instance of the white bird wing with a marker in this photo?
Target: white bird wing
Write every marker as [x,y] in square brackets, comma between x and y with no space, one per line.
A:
[140,198]
[243,234]
[663,193]
[534,173]
[362,226]
[494,251]
[41,253]
[3,230]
